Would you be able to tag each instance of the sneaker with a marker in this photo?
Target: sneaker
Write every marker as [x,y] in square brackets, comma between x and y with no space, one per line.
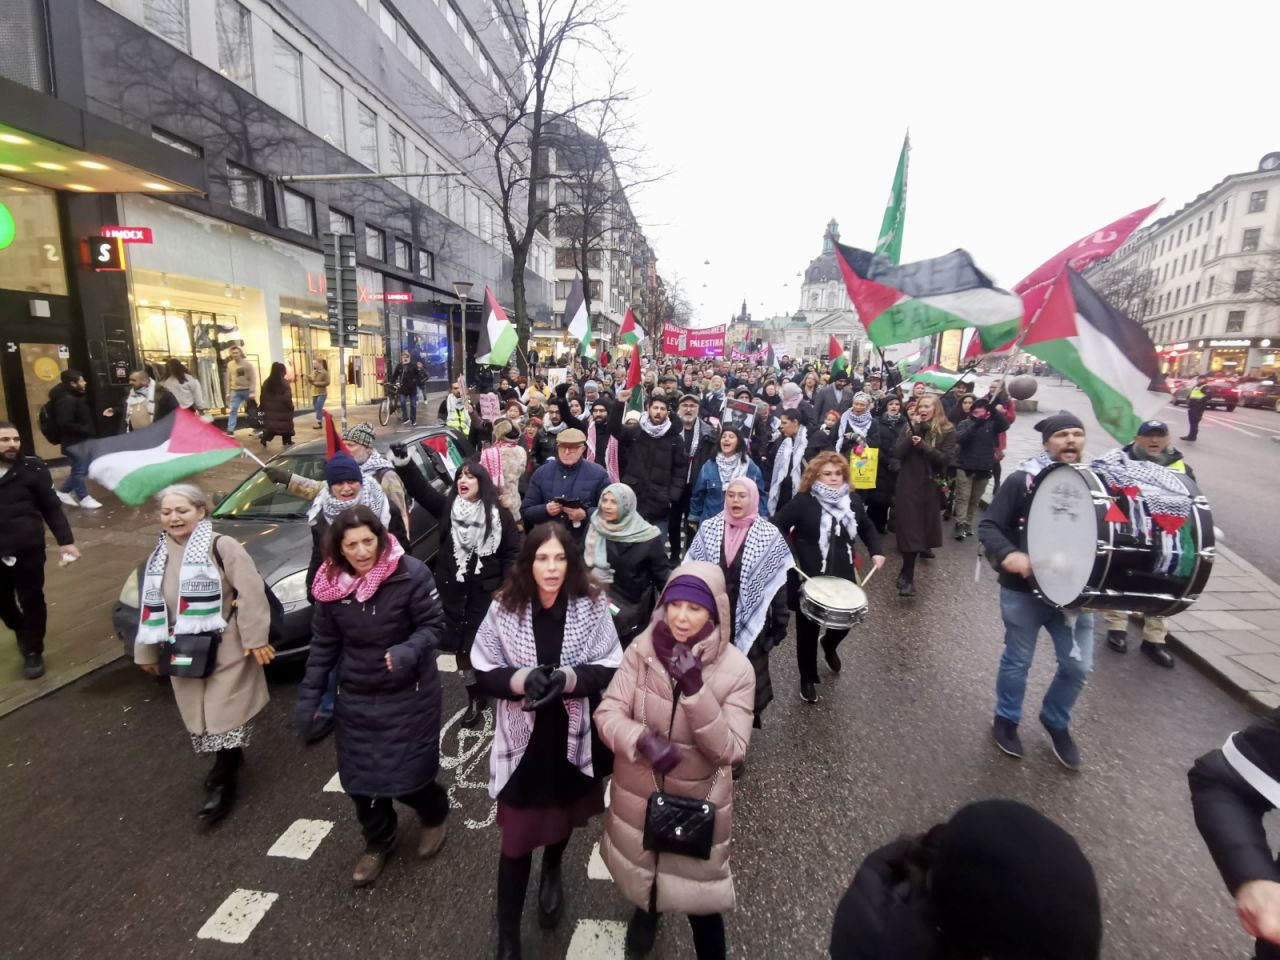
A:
[1006,733]
[1158,653]
[69,499]
[808,692]
[90,504]
[960,534]
[32,666]
[1064,748]
[1118,641]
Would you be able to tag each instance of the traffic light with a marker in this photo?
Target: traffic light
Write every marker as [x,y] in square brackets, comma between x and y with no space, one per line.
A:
[341,294]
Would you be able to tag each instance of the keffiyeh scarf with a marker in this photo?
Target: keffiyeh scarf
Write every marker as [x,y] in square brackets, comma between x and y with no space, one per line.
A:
[610,453]
[199,589]
[731,467]
[332,583]
[837,513]
[371,496]
[1159,506]
[466,528]
[654,429]
[859,423]
[766,558]
[789,462]
[375,464]
[554,428]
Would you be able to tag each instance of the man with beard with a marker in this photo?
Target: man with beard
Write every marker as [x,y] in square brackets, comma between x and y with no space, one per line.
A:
[654,464]
[836,396]
[27,505]
[1024,613]
[785,462]
[602,437]
[544,447]
[698,445]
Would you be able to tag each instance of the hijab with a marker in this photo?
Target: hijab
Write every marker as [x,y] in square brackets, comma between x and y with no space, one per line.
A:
[791,396]
[735,531]
[630,527]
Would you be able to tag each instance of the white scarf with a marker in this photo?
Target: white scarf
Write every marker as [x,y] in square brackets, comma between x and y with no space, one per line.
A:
[654,429]
[199,590]
[837,512]
[554,428]
[731,468]
[327,505]
[788,462]
[466,527]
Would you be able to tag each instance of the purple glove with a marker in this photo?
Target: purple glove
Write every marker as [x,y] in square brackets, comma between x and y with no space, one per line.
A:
[685,670]
[658,751]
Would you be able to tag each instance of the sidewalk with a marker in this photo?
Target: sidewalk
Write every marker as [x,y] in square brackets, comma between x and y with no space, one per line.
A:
[112,542]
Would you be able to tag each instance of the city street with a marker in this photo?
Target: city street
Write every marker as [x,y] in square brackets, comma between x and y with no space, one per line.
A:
[102,858]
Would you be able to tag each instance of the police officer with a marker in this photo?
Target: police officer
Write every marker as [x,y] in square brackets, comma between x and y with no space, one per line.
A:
[1153,445]
[1197,402]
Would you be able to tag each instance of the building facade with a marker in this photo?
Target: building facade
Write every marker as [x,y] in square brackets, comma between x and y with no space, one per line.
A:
[179,117]
[825,308]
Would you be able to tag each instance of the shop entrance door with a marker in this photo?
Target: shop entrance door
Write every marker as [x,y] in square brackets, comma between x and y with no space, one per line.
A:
[42,366]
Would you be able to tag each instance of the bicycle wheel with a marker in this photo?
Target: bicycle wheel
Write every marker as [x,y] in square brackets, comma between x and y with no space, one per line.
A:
[384,411]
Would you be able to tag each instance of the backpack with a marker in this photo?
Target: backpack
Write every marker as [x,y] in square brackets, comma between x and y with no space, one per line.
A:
[48,425]
[275,632]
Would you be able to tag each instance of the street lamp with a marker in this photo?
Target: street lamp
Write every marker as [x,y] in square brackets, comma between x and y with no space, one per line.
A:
[460,290]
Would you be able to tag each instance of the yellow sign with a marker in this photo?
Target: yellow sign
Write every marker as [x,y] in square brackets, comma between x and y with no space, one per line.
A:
[46,368]
[949,349]
[863,467]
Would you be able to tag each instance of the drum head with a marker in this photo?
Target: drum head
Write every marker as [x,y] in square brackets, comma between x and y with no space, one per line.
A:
[1062,534]
[836,593]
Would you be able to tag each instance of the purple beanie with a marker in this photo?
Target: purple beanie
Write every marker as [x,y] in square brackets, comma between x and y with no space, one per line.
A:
[690,588]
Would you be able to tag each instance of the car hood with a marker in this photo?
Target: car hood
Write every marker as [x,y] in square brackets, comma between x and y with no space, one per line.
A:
[277,548]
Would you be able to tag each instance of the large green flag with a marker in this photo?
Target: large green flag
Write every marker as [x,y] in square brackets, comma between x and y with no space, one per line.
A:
[889,245]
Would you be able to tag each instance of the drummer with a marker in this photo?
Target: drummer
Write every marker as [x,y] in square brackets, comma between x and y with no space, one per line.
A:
[1024,613]
[821,522]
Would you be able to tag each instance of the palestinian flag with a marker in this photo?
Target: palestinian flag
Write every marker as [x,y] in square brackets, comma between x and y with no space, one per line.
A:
[636,399]
[333,441]
[940,378]
[1100,350]
[631,332]
[770,359]
[497,335]
[442,444]
[576,318]
[139,464]
[897,304]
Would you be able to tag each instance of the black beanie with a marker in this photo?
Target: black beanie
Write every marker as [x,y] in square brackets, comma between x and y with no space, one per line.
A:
[1062,420]
[1010,884]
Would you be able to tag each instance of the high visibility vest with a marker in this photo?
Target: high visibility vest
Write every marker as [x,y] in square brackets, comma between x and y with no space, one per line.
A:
[460,420]
[1179,466]
[1196,393]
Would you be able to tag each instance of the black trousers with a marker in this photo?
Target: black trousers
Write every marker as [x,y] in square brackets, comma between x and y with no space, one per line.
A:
[677,520]
[377,815]
[807,646]
[22,607]
[708,932]
[1194,413]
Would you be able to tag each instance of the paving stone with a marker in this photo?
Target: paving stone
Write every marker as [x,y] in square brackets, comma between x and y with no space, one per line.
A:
[1254,601]
[1207,644]
[1241,641]
[1264,619]
[1222,620]
[1191,622]
[1236,673]
[1217,601]
[1234,585]
[1270,701]
[1267,664]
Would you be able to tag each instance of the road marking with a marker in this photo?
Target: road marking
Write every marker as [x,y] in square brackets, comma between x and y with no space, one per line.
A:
[334,785]
[596,870]
[236,918]
[447,663]
[302,838]
[472,772]
[1231,426]
[597,940]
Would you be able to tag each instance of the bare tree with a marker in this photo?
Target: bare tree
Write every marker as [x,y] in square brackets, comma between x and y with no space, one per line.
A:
[1126,286]
[1266,278]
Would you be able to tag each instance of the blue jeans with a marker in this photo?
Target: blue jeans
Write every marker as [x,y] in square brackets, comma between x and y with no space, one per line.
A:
[1024,614]
[237,399]
[409,407]
[317,404]
[75,480]
[330,694]
[663,527]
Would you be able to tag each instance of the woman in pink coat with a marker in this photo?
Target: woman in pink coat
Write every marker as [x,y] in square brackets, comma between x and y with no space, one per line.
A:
[677,716]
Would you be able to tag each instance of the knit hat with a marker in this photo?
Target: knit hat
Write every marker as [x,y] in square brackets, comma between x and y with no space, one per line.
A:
[1009,882]
[342,467]
[1063,420]
[361,433]
[690,588]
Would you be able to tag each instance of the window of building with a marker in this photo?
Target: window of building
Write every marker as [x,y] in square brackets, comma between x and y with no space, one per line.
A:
[426,264]
[1195,294]
[1235,321]
[340,222]
[1179,238]
[332,117]
[1257,201]
[1217,248]
[387,21]
[246,189]
[1244,281]
[1204,318]
[367,144]
[235,43]
[597,290]
[1208,291]
[397,145]
[1250,241]
[419,184]
[403,255]
[175,141]
[1193,258]
[170,19]
[1223,214]
[473,211]
[563,287]
[363,5]
[299,212]
[1176,294]
[1183,268]
[374,243]
[542,191]
[286,64]
[450,17]
[433,74]
[1199,225]
[415,55]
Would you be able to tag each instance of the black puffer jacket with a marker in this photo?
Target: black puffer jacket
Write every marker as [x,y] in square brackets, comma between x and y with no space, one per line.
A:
[27,503]
[387,729]
[977,442]
[640,571]
[70,411]
[885,913]
[655,468]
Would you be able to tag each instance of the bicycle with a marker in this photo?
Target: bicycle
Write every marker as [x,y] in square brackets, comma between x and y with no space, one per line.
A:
[387,403]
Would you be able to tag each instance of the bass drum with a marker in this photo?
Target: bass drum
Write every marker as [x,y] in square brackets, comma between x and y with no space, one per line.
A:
[1082,559]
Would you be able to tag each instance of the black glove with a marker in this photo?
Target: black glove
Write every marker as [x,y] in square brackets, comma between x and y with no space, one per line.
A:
[278,475]
[543,685]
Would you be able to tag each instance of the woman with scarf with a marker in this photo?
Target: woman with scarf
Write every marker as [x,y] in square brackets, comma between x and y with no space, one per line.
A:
[858,427]
[880,500]
[730,463]
[793,399]
[809,387]
[925,448]
[196,582]
[787,456]
[546,650]
[678,717]
[769,394]
[506,462]
[822,522]
[625,552]
[376,622]
[755,560]
[478,545]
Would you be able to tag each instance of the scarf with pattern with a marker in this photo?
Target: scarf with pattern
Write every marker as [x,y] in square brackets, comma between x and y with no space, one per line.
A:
[199,589]
[789,462]
[610,452]
[766,558]
[370,495]
[731,467]
[467,531]
[332,583]
[654,429]
[837,513]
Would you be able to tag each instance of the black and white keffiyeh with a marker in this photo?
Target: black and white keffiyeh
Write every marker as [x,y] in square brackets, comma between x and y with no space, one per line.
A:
[731,468]
[789,462]
[466,529]
[370,496]
[837,512]
[656,429]
[199,589]
[1160,510]
[766,558]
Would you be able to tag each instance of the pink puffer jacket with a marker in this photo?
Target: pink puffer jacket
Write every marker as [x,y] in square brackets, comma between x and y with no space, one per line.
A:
[712,728]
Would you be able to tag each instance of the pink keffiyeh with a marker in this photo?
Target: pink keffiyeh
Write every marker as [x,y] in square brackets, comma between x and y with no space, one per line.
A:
[333,583]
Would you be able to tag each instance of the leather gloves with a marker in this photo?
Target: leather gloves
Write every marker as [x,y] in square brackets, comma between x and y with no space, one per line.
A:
[685,670]
[659,752]
[278,475]
[543,685]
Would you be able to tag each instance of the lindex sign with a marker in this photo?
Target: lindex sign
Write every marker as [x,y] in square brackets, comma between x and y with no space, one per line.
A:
[340,289]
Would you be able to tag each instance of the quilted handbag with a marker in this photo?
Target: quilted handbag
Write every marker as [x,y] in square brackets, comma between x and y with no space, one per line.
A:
[676,824]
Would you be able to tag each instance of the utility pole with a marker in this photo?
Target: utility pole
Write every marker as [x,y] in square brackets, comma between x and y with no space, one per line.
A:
[343,302]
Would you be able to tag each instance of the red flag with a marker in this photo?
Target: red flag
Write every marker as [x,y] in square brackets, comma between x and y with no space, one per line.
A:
[633,371]
[1093,246]
[332,439]
[834,350]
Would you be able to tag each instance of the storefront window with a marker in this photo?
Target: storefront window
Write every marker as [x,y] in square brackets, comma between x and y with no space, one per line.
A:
[31,257]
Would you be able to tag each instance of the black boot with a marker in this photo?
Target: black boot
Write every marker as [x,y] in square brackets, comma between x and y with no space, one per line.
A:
[475,708]
[641,932]
[550,887]
[513,878]
[220,786]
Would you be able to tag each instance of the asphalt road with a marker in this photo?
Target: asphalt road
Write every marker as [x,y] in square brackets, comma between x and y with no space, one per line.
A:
[101,858]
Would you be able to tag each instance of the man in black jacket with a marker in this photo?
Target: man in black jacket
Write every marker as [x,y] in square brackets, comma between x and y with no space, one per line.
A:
[27,505]
[1024,613]
[977,442]
[73,419]
[654,463]
[836,396]
[698,444]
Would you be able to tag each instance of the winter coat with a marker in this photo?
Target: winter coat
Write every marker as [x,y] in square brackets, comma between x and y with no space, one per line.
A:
[387,722]
[978,442]
[640,572]
[695,457]
[583,481]
[319,379]
[829,398]
[846,441]
[464,603]
[708,492]
[885,914]
[887,469]
[655,468]
[163,403]
[277,409]
[712,729]
[544,448]
[27,504]
[72,415]
[409,377]
[236,691]
[801,524]
[917,510]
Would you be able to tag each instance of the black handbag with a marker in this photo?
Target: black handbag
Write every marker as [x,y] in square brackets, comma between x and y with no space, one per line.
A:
[191,655]
[676,824]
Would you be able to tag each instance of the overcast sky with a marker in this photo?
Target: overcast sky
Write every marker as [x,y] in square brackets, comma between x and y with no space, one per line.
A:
[1028,129]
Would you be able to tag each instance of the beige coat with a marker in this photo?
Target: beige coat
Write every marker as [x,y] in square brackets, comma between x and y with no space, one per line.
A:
[236,691]
[712,728]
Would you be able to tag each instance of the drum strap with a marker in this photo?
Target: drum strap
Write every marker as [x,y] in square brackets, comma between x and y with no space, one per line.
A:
[1252,774]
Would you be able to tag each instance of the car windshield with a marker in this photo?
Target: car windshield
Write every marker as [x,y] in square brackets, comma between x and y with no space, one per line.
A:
[261,497]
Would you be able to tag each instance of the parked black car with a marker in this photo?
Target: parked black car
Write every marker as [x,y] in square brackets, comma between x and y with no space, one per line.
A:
[1218,393]
[1263,393]
[271,524]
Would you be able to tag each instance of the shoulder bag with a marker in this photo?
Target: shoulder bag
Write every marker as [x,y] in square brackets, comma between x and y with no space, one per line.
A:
[193,655]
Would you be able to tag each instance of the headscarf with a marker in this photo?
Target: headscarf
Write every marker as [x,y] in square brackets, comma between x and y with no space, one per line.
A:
[630,527]
[859,423]
[792,394]
[735,531]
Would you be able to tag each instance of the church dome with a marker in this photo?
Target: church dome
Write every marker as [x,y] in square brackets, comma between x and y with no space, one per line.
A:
[823,268]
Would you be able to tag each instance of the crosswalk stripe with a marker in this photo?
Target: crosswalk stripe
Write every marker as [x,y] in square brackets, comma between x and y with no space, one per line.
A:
[598,940]
[302,838]
[237,916]
[596,870]
[447,663]
[1231,426]
[334,785]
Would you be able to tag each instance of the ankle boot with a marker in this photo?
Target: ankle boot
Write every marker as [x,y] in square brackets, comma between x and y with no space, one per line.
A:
[550,894]
[475,709]
[642,930]
[220,786]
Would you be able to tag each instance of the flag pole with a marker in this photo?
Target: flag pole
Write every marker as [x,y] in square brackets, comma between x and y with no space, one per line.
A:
[250,454]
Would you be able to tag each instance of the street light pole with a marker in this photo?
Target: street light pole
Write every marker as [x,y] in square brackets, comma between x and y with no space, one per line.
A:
[460,289]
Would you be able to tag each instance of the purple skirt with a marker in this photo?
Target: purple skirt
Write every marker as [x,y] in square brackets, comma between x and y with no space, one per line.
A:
[525,830]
